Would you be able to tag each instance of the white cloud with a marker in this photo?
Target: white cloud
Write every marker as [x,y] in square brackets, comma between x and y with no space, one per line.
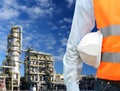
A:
[23,7]
[9,11]
[64,41]
[44,3]
[8,14]
[3,41]
[9,2]
[44,8]
[3,45]
[49,47]
[61,21]
[2,28]
[26,42]
[27,38]
[60,55]
[65,20]
[70,3]
[46,41]
[52,25]
[63,27]
[60,50]
[35,12]
[50,42]
[49,11]
[68,20]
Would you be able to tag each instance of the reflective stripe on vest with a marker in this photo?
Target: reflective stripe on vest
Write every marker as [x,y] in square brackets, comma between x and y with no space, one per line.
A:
[110,44]
[111,31]
[111,57]
[111,38]
[107,14]
[110,65]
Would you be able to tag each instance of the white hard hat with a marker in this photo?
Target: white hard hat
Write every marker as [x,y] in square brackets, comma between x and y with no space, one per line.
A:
[89,48]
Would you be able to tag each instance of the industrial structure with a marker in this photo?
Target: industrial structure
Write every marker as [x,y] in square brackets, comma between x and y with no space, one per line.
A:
[12,63]
[39,70]
[38,67]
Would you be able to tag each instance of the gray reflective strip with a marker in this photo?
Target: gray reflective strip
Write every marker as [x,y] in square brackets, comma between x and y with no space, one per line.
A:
[110,57]
[111,30]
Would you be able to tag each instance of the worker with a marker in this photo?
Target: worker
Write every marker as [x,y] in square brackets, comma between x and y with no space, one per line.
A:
[106,13]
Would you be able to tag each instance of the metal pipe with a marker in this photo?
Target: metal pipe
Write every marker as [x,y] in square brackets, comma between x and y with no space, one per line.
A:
[6,66]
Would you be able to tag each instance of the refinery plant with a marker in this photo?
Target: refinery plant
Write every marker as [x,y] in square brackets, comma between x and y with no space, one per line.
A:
[38,67]
[39,72]
[11,64]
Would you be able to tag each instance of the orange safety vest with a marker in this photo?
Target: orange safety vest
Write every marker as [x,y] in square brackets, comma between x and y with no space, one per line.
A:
[107,14]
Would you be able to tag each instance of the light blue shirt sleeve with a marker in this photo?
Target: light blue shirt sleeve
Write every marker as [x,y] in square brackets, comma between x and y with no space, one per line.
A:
[83,23]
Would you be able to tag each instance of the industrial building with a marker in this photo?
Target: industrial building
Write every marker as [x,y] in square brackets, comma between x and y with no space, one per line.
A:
[38,67]
[12,62]
[39,70]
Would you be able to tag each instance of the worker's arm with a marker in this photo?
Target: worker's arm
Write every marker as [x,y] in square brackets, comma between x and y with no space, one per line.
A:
[83,22]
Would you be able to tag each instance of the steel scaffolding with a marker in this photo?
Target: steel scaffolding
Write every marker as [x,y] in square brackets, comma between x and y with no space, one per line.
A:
[39,70]
[12,69]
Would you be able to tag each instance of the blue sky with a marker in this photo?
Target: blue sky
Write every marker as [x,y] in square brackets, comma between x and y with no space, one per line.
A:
[46,26]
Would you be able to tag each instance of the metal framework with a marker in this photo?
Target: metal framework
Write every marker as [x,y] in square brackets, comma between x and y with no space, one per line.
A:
[12,64]
[39,70]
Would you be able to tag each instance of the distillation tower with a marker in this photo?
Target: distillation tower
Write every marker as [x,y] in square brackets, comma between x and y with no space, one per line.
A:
[14,48]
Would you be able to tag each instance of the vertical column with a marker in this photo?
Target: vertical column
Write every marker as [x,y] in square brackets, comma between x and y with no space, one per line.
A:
[14,47]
